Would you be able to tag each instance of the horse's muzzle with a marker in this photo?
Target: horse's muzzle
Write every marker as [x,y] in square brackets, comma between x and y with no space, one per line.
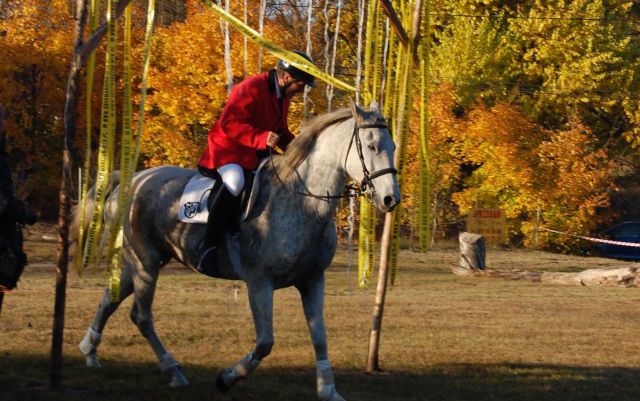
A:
[389,203]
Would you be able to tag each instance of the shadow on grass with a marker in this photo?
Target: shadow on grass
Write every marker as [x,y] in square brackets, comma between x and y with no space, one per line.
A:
[25,378]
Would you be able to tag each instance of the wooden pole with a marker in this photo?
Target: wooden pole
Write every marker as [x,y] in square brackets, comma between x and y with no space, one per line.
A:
[373,364]
[70,116]
[395,21]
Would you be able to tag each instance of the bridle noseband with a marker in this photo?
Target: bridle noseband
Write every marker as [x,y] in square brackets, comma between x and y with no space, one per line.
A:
[366,185]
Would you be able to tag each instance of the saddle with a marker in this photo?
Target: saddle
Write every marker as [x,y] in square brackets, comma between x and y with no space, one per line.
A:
[195,196]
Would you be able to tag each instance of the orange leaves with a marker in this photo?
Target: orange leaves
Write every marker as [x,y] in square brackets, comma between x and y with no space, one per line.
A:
[580,176]
[187,90]
[34,54]
[497,157]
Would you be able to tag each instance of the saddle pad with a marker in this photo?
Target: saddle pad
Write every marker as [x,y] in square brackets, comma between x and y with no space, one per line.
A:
[193,202]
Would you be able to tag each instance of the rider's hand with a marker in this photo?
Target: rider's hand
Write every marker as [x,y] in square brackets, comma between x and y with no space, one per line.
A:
[272,139]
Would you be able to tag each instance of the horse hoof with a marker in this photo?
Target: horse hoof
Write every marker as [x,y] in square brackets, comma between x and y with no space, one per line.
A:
[329,393]
[178,380]
[92,361]
[220,384]
[336,397]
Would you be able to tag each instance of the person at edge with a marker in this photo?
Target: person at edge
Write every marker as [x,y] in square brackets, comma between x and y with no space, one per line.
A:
[254,118]
[12,213]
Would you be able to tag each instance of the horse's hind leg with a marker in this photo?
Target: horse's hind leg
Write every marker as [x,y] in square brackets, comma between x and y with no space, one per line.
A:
[89,344]
[142,317]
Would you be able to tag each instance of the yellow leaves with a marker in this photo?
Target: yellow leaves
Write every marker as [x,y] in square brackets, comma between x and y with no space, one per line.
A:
[497,157]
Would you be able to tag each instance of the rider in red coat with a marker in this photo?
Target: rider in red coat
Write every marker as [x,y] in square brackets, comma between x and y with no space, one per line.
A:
[252,113]
[254,118]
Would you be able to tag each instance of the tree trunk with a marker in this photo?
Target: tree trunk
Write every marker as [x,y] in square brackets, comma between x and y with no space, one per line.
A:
[92,43]
[472,251]
[70,116]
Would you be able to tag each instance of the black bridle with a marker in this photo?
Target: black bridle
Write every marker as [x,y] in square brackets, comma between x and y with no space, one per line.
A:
[366,185]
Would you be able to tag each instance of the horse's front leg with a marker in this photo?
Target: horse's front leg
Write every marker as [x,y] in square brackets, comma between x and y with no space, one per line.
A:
[313,302]
[261,300]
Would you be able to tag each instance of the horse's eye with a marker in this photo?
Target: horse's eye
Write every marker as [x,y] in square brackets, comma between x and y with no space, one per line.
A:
[371,147]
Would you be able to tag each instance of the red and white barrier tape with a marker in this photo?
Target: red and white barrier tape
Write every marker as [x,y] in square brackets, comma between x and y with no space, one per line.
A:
[592,239]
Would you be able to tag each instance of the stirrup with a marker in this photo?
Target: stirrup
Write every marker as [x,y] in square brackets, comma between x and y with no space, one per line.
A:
[208,264]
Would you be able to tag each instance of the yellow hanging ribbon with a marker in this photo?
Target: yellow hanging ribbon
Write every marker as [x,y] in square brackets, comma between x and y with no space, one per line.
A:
[366,230]
[406,97]
[292,58]
[129,156]
[107,132]
[151,10]
[91,62]
[376,75]
[114,278]
[126,169]
[389,84]
[424,208]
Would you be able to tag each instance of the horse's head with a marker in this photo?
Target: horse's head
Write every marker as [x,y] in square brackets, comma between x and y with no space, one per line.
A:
[370,157]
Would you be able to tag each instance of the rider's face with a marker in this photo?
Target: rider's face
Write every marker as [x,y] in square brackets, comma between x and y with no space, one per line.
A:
[294,88]
[291,85]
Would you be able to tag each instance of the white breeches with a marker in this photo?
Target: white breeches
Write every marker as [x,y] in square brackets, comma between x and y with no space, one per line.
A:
[232,177]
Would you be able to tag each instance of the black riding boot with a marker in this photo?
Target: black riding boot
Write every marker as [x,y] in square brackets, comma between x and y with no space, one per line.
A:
[223,212]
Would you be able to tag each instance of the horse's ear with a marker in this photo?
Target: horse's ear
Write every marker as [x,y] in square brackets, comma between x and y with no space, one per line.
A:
[374,107]
[356,111]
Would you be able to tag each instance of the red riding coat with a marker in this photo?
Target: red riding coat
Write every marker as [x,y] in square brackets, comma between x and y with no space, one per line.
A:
[253,109]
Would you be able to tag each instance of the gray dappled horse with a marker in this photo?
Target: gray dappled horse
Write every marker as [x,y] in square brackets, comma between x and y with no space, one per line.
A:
[288,239]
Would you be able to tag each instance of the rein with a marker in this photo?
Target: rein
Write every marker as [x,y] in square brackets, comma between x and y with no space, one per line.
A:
[366,185]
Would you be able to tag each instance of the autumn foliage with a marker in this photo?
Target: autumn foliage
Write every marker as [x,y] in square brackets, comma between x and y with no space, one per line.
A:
[535,116]
[498,157]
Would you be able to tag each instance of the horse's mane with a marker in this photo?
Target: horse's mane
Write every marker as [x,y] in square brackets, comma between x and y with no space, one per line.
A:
[300,147]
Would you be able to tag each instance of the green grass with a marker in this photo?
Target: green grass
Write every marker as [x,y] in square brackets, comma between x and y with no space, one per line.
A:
[444,337]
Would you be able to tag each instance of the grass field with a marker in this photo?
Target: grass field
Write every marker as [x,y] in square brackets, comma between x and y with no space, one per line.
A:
[444,337]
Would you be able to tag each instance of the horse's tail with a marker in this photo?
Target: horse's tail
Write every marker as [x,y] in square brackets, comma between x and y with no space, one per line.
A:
[74,229]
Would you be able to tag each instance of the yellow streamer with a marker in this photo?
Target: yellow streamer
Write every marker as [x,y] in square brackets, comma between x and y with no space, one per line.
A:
[126,167]
[402,126]
[294,59]
[107,132]
[151,10]
[424,208]
[366,242]
[389,93]
[129,155]
[114,279]
[367,91]
[91,62]
[376,75]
